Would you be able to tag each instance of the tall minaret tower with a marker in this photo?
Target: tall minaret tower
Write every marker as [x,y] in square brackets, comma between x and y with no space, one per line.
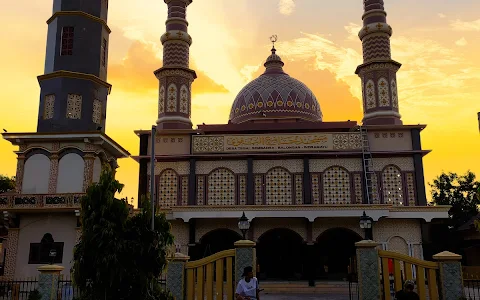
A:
[378,71]
[175,77]
[74,90]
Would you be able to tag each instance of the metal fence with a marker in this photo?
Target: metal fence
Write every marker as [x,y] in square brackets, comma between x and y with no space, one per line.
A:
[472,289]
[17,289]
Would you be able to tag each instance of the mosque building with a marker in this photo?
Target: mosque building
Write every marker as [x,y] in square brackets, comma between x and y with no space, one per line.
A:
[303,183]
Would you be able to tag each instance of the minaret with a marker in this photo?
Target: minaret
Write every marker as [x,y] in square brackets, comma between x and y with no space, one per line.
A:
[378,71]
[175,77]
[74,90]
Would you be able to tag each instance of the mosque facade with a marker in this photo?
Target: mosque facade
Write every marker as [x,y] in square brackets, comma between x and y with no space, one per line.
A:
[303,183]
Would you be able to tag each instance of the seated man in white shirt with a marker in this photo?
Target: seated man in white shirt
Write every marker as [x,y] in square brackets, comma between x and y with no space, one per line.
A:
[247,288]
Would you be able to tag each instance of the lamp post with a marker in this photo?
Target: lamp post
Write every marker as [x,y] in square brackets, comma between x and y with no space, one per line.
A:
[52,254]
[243,224]
[366,223]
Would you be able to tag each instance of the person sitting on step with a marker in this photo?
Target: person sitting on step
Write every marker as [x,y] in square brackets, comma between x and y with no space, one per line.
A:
[247,288]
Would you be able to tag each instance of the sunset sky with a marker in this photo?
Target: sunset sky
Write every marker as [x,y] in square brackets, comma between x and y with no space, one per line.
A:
[435,40]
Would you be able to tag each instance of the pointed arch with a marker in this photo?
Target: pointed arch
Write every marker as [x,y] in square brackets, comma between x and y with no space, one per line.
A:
[172,96]
[336,186]
[221,187]
[392,185]
[278,185]
[371,102]
[168,188]
[184,99]
[383,93]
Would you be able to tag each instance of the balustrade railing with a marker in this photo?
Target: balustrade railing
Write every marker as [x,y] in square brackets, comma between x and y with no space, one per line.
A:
[27,201]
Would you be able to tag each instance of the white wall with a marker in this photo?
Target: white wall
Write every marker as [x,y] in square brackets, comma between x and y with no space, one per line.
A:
[70,174]
[36,174]
[97,169]
[32,229]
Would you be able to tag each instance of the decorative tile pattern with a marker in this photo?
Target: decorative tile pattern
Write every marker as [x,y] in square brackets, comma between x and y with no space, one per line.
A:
[180,167]
[184,99]
[11,258]
[398,244]
[451,281]
[242,192]
[74,106]
[393,87]
[336,186]
[292,165]
[357,179]
[208,144]
[184,190]
[347,141]
[168,189]
[221,187]
[316,188]
[172,94]
[49,106]
[410,178]
[278,187]
[408,229]
[404,163]
[52,183]
[243,258]
[88,171]
[392,186]
[161,100]
[383,94]
[370,94]
[200,190]
[368,274]
[176,54]
[351,164]
[97,112]
[48,284]
[236,166]
[19,173]
[258,189]
[376,47]
[299,189]
[176,278]
[375,189]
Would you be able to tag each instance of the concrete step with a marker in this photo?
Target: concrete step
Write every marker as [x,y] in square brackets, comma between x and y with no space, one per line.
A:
[338,288]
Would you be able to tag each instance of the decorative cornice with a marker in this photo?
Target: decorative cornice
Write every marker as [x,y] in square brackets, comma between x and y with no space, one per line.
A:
[377,65]
[175,71]
[75,75]
[176,35]
[81,14]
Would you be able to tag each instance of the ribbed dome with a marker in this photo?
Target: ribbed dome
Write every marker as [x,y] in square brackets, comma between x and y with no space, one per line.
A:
[275,95]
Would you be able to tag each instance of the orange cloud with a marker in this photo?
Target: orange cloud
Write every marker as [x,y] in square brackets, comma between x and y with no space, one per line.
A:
[135,73]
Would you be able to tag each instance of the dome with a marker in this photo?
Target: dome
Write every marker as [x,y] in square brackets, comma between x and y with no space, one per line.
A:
[275,95]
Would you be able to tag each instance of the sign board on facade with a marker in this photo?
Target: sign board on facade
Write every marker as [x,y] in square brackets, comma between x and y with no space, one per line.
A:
[276,143]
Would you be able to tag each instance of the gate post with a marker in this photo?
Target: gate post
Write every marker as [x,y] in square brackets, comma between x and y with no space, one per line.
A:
[451,278]
[244,257]
[48,281]
[368,270]
[176,275]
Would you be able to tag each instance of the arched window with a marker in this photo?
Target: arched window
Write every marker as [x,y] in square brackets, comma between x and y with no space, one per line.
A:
[172,98]
[221,187]
[336,186]
[47,251]
[168,188]
[70,173]
[398,244]
[392,186]
[36,174]
[370,94]
[383,94]
[278,184]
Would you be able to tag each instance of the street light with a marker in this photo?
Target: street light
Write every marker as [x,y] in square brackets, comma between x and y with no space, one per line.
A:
[243,225]
[52,254]
[366,223]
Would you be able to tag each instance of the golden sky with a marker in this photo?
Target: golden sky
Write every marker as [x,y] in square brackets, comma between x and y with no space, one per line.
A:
[435,40]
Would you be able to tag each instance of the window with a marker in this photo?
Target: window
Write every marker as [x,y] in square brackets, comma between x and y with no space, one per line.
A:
[104,52]
[40,252]
[67,41]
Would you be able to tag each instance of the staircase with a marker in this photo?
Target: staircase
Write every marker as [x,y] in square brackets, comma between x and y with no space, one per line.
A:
[301,287]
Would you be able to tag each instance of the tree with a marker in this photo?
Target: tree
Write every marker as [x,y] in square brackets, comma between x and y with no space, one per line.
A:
[7,184]
[459,191]
[118,257]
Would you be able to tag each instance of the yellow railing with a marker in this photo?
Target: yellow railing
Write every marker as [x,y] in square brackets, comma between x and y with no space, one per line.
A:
[403,266]
[200,276]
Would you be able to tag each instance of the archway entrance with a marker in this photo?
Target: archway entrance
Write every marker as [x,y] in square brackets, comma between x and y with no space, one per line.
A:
[280,255]
[215,241]
[335,250]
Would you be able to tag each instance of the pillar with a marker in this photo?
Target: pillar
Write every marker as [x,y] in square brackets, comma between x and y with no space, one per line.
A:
[19,173]
[52,184]
[48,281]
[368,270]
[244,257]
[12,250]
[451,279]
[88,171]
[176,275]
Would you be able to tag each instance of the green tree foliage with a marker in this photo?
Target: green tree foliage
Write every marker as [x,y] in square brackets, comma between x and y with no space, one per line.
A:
[459,191]
[118,257]
[7,184]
